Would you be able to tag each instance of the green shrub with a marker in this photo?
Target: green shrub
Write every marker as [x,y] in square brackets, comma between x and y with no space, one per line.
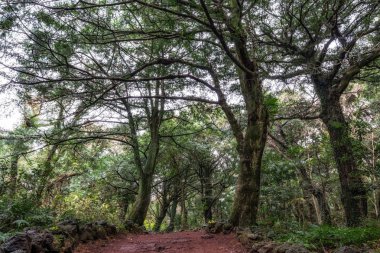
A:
[4,237]
[18,213]
[333,237]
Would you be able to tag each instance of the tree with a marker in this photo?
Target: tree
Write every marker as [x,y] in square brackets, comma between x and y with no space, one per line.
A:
[224,31]
[329,43]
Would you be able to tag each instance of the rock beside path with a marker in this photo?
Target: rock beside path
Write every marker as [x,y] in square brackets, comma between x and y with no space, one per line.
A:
[218,227]
[273,247]
[258,243]
[62,239]
[20,243]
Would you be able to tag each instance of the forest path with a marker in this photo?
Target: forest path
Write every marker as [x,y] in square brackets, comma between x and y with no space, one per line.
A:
[177,242]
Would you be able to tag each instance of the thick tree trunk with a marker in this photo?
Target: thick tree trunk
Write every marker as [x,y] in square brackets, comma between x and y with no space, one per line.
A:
[251,142]
[244,210]
[250,149]
[154,114]
[353,192]
[140,206]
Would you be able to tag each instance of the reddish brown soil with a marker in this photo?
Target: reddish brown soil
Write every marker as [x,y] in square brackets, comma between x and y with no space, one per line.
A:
[178,242]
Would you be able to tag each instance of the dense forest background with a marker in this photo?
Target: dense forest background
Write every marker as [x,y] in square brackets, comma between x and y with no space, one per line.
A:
[176,113]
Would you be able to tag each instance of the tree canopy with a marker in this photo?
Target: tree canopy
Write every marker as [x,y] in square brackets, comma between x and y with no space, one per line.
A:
[174,113]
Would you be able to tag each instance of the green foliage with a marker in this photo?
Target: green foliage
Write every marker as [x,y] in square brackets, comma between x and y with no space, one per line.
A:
[333,237]
[272,104]
[7,23]
[81,58]
[47,19]
[335,124]
[63,48]
[19,213]
[5,236]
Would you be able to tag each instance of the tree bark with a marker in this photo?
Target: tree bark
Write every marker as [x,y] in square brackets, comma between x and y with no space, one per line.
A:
[13,174]
[140,207]
[353,192]
[160,218]
[207,205]
[313,213]
[46,173]
[376,194]
[250,149]
[172,215]
[164,206]
[251,141]
[184,216]
[319,194]
[205,173]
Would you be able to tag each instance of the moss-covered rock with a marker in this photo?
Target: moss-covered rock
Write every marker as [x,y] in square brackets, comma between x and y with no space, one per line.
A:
[62,238]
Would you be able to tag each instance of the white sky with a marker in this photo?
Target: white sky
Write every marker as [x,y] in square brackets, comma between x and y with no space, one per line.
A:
[10,116]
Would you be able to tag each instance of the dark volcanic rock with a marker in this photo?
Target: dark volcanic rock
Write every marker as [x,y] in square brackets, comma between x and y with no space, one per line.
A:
[215,227]
[21,243]
[227,228]
[70,227]
[347,249]
[62,240]
[273,247]
[42,241]
[218,228]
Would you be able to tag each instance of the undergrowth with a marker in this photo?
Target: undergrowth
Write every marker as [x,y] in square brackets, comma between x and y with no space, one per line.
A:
[19,213]
[316,237]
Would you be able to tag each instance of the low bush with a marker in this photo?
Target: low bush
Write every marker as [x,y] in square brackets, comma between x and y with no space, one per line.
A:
[18,213]
[333,237]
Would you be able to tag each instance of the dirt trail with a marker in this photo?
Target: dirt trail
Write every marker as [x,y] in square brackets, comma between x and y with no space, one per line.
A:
[178,242]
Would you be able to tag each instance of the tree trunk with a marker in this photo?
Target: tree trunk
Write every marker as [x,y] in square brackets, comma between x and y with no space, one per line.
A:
[207,208]
[160,218]
[353,192]
[184,221]
[250,149]
[13,174]
[377,203]
[124,203]
[311,188]
[250,145]
[313,213]
[207,191]
[154,114]
[46,173]
[163,207]
[140,206]
[172,215]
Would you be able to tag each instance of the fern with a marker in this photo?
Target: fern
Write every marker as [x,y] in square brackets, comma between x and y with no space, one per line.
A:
[21,223]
